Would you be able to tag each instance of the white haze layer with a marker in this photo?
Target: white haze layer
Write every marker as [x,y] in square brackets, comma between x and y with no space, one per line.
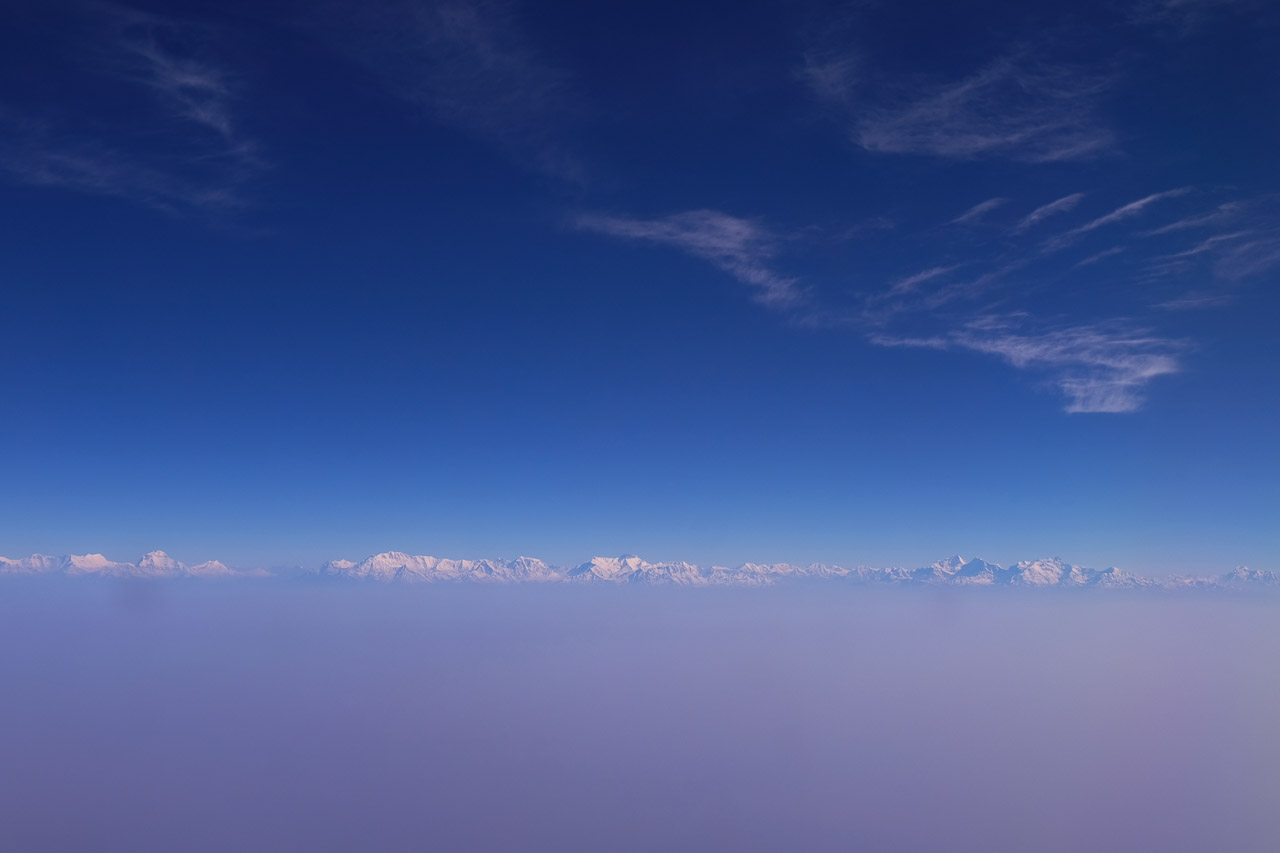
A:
[268,716]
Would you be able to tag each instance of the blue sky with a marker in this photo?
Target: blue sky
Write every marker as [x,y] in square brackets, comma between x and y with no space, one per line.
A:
[857,283]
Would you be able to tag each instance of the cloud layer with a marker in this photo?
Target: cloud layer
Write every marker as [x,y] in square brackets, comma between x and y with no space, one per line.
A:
[470,65]
[1012,108]
[197,157]
[741,247]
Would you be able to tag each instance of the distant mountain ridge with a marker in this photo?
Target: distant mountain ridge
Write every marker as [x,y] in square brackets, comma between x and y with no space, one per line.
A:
[399,567]
[154,564]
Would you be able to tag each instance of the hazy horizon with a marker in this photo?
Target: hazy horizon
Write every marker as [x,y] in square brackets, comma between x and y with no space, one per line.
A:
[458,718]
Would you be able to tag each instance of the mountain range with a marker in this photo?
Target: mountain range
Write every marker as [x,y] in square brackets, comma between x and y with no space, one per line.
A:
[399,567]
[154,564]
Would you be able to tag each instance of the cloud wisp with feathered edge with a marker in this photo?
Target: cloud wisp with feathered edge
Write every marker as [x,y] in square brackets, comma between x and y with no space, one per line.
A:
[186,150]
[1013,107]
[986,303]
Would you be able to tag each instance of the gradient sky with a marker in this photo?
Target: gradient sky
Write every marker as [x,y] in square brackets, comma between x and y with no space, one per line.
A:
[860,283]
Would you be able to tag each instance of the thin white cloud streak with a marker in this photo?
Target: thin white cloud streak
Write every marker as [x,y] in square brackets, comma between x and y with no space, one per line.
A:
[1221,213]
[973,288]
[1043,212]
[34,157]
[740,247]
[1127,211]
[1235,255]
[470,65]
[907,297]
[1131,209]
[1209,244]
[1011,108]
[912,282]
[1099,368]
[978,211]
[1101,256]
[1249,259]
[1195,300]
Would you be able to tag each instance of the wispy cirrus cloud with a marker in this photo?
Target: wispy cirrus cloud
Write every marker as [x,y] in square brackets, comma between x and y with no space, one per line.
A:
[470,65]
[1195,300]
[1126,211]
[1221,213]
[195,157]
[1099,367]
[36,155]
[1254,257]
[193,89]
[912,282]
[1012,108]
[1233,255]
[741,247]
[935,288]
[833,77]
[978,211]
[1102,366]
[1100,256]
[1183,18]
[1044,211]
[1209,244]
[1131,209]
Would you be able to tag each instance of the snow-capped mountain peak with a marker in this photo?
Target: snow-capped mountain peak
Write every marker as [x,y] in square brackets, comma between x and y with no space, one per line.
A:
[609,568]
[159,561]
[1243,575]
[400,567]
[154,564]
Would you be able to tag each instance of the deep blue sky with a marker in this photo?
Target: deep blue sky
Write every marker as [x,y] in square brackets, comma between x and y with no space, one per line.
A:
[863,283]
